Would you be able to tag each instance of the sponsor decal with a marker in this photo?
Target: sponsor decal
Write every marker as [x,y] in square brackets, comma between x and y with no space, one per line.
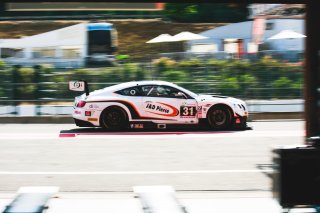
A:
[77,85]
[136,126]
[93,106]
[162,109]
[133,110]
[199,110]
[92,119]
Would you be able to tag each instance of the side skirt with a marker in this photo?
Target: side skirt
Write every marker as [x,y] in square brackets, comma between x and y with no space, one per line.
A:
[147,125]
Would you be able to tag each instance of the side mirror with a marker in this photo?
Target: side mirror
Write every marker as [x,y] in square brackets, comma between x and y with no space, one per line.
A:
[79,86]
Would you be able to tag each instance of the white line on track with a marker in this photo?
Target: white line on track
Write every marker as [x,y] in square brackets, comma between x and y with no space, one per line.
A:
[240,134]
[136,172]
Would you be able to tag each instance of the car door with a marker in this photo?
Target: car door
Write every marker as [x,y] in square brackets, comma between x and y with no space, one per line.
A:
[132,99]
[166,103]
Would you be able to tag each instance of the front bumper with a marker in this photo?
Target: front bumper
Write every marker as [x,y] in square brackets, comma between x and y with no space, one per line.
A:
[240,122]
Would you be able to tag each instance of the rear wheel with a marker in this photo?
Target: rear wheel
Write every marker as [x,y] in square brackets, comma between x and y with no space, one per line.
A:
[114,118]
[219,117]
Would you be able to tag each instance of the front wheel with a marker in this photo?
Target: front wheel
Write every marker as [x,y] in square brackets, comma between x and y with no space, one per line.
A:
[114,118]
[219,117]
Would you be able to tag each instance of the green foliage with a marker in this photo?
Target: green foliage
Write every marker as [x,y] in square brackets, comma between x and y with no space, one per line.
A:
[229,85]
[266,78]
[237,78]
[282,82]
[206,12]
[191,63]
[247,81]
[2,65]
[175,76]
[284,85]
[5,80]
[23,77]
[164,62]
[2,92]
[122,57]
[130,71]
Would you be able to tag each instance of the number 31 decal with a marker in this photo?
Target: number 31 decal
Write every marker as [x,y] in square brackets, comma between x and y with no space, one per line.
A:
[188,111]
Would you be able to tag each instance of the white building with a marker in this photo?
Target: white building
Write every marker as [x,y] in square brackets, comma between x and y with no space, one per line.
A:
[238,37]
[72,46]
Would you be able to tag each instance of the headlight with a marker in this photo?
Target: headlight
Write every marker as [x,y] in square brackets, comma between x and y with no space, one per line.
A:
[240,106]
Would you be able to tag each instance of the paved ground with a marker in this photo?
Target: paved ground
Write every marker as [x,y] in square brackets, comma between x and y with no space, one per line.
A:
[204,167]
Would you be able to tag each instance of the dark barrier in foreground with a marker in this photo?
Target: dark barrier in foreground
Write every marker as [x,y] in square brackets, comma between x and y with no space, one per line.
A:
[296,178]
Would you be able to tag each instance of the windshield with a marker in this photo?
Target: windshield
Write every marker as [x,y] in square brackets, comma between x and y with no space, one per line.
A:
[192,94]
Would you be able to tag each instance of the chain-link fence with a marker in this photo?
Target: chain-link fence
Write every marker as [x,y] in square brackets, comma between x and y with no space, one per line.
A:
[280,55]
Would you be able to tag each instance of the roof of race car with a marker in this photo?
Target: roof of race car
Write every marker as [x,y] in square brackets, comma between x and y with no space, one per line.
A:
[137,83]
[121,86]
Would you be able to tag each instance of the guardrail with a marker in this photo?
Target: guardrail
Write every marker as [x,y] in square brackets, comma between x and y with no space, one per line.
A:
[65,107]
[36,107]
[275,105]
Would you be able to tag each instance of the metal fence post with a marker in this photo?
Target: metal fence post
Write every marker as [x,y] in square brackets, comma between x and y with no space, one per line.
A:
[14,94]
[36,80]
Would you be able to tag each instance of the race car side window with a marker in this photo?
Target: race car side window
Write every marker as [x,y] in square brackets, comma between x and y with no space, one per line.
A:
[162,91]
[172,92]
[147,90]
[132,91]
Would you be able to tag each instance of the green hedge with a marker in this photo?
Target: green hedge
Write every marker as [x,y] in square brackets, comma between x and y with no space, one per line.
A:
[263,79]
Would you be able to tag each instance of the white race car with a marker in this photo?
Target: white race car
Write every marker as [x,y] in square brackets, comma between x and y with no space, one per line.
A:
[154,104]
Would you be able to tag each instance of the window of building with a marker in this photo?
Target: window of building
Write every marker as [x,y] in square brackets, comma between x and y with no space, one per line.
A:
[269,26]
[71,53]
[43,53]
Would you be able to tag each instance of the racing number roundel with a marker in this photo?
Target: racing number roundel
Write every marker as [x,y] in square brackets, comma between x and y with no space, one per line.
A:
[189,111]
[133,92]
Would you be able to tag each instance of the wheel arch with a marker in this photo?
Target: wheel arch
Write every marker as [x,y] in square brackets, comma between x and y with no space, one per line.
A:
[222,105]
[118,105]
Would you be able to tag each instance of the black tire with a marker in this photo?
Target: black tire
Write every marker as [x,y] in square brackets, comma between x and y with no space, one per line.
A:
[219,117]
[114,118]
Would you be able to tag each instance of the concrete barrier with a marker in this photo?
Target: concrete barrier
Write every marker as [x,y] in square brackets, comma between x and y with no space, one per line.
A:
[275,115]
[36,119]
[69,119]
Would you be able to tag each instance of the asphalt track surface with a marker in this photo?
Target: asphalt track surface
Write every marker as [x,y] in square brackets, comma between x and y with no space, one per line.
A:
[91,160]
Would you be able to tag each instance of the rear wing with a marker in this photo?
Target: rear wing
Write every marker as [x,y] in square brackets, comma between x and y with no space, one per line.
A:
[79,86]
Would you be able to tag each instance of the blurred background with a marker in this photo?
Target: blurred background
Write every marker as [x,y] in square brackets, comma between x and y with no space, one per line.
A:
[250,51]
[44,45]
